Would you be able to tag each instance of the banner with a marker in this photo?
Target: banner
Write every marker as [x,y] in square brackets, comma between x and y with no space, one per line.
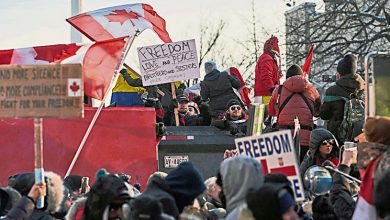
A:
[275,151]
[54,90]
[169,62]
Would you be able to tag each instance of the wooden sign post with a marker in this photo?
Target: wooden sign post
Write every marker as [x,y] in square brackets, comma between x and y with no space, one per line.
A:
[37,91]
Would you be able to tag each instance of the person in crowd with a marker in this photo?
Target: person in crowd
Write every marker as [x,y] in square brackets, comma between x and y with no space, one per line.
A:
[124,94]
[237,175]
[54,193]
[213,191]
[186,118]
[347,84]
[340,193]
[267,72]
[147,207]
[106,198]
[193,109]
[8,199]
[185,184]
[272,201]
[296,98]
[323,146]
[73,184]
[373,160]
[235,119]
[382,196]
[218,88]
[158,188]
[24,206]
[323,208]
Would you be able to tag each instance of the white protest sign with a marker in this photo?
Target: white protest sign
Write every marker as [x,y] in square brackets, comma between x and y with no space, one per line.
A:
[276,153]
[169,62]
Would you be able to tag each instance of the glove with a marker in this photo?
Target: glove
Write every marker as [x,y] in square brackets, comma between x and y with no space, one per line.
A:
[197,100]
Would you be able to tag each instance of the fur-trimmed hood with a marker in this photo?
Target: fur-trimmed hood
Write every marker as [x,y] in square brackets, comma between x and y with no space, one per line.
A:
[54,191]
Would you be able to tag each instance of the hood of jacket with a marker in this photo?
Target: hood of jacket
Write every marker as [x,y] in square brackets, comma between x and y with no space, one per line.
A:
[317,136]
[296,84]
[239,175]
[54,193]
[213,75]
[185,184]
[348,82]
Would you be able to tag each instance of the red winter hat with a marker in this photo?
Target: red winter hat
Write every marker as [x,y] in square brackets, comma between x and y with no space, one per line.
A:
[272,44]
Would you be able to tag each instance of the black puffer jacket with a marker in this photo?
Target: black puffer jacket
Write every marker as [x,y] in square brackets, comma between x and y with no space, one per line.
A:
[332,108]
[218,87]
[340,195]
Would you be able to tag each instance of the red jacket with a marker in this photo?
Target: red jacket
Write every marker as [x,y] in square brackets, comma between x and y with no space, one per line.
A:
[296,106]
[266,74]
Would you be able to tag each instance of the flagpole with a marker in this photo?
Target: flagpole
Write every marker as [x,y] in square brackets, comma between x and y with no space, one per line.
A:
[112,83]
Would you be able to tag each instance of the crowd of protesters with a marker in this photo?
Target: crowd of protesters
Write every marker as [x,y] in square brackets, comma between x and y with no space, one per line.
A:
[240,189]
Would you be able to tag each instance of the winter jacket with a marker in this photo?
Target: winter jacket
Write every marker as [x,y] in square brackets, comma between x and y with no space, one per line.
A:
[340,195]
[239,175]
[313,157]
[22,210]
[333,109]
[158,189]
[296,106]
[266,74]
[218,87]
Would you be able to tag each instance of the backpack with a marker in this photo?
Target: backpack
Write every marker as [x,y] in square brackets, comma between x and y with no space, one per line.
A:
[353,114]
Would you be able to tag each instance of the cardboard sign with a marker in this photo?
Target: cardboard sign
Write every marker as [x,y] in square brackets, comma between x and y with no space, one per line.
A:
[169,62]
[275,151]
[41,91]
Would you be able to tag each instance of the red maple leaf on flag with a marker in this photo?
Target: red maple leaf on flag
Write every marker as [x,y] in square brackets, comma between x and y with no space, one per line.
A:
[122,16]
[74,87]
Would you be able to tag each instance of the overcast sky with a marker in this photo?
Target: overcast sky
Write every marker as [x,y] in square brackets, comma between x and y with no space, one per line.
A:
[26,23]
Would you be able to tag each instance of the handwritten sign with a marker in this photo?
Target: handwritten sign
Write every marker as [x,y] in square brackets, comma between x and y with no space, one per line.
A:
[169,62]
[41,91]
[276,153]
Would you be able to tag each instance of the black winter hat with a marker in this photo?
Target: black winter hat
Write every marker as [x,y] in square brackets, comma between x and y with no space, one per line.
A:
[146,207]
[318,135]
[347,65]
[323,209]
[185,183]
[294,70]
[232,102]
[73,182]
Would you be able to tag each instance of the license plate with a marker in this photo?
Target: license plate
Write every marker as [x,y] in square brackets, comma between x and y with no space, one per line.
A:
[173,161]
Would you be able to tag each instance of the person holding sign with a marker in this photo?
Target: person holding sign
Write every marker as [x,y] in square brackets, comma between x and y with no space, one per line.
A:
[185,117]
[323,146]
[218,88]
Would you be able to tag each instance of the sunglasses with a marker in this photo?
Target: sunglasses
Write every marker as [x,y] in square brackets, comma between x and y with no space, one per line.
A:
[328,141]
[234,107]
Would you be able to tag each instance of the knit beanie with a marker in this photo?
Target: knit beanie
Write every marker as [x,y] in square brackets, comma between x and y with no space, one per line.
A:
[377,129]
[347,65]
[293,71]
[185,183]
[318,135]
[285,201]
[232,102]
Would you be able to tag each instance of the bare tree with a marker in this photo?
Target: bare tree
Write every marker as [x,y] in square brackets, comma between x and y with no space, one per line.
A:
[208,39]
[346,26]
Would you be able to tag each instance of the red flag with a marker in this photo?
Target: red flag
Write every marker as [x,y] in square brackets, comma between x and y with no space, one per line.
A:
[120,21]
[99,61]
[243,90]
[306,66]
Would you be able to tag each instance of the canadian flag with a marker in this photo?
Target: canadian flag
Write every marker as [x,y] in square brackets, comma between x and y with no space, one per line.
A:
[307,65]
[99,60]
[120,21]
